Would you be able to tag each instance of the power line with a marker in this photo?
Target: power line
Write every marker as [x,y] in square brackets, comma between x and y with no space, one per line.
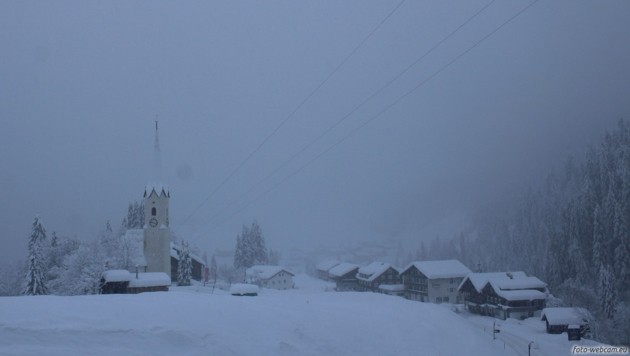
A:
[387,108]
[356,108]
[292,113]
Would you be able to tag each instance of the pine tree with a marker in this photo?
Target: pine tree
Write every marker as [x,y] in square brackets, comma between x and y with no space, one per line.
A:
[607,291]
[250,247]
[36,268]
[184,266]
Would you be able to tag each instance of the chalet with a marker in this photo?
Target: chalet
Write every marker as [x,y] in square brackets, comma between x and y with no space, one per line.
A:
[123,282]
[345,276]
[274,277]
[434,281]
[558,320]
[323,267]
[198,264]
[503,294]
[370,277]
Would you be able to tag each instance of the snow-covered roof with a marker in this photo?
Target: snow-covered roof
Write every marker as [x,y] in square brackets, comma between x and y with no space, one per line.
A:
[518,283]
[117,275]
[440,269]
[565,316]
[243,288]
[159,189]
[264,272]
[374,270]
[521,294]
[479,280]
[149,279]
[392,287]
[342,268]
[326,265]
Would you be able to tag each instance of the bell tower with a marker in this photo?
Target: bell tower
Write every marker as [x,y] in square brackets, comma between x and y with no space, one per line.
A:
[157,235]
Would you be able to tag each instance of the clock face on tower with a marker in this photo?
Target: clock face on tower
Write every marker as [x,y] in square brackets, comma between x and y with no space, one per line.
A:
[153,222]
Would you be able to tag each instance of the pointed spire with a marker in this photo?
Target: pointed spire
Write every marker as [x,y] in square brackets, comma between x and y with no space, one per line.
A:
[157,156]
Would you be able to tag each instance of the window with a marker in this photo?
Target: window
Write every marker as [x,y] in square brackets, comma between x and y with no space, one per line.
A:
[153,211]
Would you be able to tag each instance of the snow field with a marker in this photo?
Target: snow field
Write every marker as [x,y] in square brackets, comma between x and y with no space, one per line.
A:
[192,321]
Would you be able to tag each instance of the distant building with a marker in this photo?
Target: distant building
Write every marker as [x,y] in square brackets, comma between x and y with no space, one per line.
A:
[434,281]
[503,294]
[370,277]
[323,267]
[345,276]
[274,277]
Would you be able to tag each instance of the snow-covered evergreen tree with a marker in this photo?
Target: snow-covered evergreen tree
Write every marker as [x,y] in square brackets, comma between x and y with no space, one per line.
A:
[36,274]
[250,247]
[184,266]
[82,270]
[607,291]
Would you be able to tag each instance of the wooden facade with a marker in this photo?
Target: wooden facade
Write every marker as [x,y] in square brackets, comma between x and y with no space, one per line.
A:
[503,294]
[372,282]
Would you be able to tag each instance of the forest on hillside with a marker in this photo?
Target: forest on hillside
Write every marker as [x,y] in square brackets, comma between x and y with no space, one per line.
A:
[573,232]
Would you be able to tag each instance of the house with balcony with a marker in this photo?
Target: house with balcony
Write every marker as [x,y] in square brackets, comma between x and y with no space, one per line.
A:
[503,294]
[434,281]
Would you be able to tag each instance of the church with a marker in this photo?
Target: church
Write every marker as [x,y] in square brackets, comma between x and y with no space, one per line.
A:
[151,245]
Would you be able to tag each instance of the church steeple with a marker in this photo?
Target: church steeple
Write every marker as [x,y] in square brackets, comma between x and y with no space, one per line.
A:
[157,156]
[157,235]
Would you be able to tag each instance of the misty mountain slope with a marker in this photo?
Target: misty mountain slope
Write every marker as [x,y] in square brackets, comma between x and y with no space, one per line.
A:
[194,322]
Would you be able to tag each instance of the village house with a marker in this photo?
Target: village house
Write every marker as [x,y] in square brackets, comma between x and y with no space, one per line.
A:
[558,320]
[323,267]
[434,281]
[345,276]
[503,294]
[274,277]
[370,277]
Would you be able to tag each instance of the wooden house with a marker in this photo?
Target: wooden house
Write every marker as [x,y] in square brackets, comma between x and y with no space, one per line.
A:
[323,267]
[503,294]
[370,277]
[345,276]
[434,281]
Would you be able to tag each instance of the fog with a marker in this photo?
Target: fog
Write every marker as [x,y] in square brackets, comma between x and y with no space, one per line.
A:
[82,82]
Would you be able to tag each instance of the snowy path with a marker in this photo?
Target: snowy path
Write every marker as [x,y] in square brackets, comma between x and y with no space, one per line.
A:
[517,335]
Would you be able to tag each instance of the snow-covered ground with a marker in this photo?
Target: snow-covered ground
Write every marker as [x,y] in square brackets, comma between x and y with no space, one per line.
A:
[306,321]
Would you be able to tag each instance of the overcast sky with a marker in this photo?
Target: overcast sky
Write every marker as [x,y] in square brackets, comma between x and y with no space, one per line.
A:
[81,83]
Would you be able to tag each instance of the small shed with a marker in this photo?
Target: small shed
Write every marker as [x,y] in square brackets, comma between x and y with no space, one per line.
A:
[115,281]
[149,282]
[558,320]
